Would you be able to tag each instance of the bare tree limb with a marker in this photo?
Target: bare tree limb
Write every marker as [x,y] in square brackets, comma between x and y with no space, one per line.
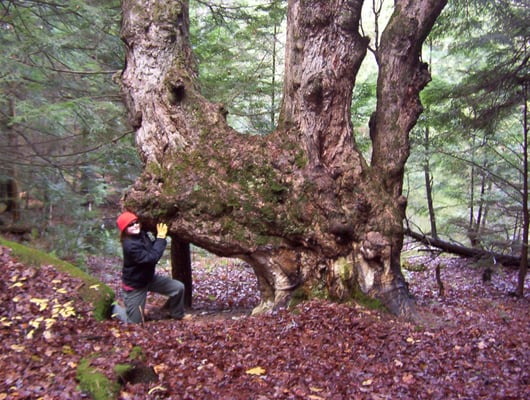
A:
[463,251]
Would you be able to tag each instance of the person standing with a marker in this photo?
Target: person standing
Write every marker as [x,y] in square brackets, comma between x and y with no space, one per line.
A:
[140,257]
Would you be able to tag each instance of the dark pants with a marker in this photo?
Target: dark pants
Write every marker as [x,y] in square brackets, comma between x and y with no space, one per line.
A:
[135,299]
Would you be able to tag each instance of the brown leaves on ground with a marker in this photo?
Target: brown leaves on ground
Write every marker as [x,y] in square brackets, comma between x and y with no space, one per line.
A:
[479,348]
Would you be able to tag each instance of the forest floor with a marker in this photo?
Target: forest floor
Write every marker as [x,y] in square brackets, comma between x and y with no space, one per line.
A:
[477,345]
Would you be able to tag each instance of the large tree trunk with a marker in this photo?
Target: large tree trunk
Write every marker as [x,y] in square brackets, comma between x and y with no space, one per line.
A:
[300,205]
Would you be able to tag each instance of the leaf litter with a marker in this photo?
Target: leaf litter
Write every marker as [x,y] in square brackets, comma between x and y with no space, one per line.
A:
[478,348]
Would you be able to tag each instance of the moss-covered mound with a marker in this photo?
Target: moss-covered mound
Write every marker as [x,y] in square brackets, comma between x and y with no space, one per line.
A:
[93,291]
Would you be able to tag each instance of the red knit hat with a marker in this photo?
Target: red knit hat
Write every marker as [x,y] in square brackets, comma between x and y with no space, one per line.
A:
[125,219]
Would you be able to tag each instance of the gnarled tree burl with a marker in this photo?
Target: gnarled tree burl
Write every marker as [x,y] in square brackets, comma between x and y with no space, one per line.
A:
[301,205]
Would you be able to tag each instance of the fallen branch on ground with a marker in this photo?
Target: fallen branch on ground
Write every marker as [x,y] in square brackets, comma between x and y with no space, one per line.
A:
[469,252]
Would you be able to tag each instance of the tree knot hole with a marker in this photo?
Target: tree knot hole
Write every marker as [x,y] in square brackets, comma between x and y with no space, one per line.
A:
[177,92]
[314,90]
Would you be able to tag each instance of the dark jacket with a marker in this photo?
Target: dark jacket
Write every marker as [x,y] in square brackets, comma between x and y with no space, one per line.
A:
[140,255]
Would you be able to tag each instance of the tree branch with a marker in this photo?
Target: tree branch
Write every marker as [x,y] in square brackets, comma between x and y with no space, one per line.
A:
[463,251]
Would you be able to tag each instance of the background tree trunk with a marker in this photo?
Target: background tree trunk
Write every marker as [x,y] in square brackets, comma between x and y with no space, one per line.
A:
[429,185]
[181,267]
[523,266]
[300,205]
[9,190]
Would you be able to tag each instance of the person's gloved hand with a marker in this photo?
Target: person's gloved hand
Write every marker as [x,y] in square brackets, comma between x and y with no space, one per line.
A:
[161,230]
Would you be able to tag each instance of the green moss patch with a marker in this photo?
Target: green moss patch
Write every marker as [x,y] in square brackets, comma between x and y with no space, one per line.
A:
[96,384]
[366,301]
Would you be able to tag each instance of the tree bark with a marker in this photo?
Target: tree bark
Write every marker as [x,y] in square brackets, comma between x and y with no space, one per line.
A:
[300,205]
